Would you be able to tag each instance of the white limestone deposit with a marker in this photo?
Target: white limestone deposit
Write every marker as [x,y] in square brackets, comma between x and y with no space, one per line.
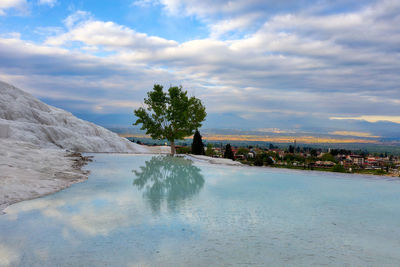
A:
[28,171]
[25,118]
[212,160]
[35,140]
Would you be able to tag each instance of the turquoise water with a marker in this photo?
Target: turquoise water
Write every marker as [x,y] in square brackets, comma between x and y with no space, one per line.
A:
[163,211]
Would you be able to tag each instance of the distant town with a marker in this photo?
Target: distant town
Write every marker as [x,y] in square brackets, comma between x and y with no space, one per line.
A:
[295,156]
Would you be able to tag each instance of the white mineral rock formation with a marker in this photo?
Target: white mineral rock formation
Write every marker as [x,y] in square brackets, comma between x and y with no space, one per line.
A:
[25,118]
[34,142]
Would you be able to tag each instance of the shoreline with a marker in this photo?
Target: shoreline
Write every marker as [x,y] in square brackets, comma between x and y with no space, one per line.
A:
[28,184]
[28,171]
[322,170]
[328,171]
[229,162]
[19,180]
[73,173]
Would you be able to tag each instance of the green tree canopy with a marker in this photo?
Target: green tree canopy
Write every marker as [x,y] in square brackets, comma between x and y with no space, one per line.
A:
[243,151]
[328,157]
[210,151]
[338,168]
[170,115]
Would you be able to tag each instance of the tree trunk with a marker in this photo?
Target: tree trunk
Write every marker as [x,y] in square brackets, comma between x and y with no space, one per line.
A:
[173,150]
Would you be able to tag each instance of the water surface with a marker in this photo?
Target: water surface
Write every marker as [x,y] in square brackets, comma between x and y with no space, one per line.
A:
[162,211]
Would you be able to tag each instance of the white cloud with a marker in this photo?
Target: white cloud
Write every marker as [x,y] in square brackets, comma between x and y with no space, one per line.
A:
[371,118]
[224,16]
[145,3]
[11,35]
[354,133]
[50,3]
[209,8]
[82,28]
[19,5]
[225,26]
[77,17]
[295,65]
[11,3]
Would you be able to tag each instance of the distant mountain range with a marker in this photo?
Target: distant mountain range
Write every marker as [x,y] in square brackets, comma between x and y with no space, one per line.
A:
[230,124]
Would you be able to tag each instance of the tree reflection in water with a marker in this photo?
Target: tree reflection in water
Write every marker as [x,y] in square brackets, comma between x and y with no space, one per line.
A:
[173,179]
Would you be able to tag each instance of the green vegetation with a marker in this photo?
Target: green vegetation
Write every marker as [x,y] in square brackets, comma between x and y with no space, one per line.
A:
[379,172]
[292,158]
[338,168]
[328,157]
[197,145]
[374,172]
[228,152]
[210,151]
[170,115]
[269,161]
[243,151]
[259,161]
[307,157]
[183,150]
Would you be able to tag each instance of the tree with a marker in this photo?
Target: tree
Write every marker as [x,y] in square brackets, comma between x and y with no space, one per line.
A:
[197,145]
[170,115]
[228,152]
[313,152]
[338,168]
[210,151]
[258,161]
[271,146]
[183,150]
[243,151]
[269,161]
[328,157]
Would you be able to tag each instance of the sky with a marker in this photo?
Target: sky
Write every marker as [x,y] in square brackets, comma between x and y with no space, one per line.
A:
[304,66]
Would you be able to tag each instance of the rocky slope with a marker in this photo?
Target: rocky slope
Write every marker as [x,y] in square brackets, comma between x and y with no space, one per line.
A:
[25,118]
[36,145]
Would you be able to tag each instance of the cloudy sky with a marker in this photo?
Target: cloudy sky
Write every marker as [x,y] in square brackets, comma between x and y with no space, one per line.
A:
[297,66]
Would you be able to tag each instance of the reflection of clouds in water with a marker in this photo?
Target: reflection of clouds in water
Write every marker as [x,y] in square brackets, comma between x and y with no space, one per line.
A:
[220,175]
[81,213]
[31,205]
[92,219]
[172,179]
[41,254]
[108,172]
[217,175]
[8,256]
[72,239]
[99,210]
[96,207]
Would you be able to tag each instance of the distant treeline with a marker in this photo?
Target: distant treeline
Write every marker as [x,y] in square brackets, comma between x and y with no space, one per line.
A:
[337,148]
